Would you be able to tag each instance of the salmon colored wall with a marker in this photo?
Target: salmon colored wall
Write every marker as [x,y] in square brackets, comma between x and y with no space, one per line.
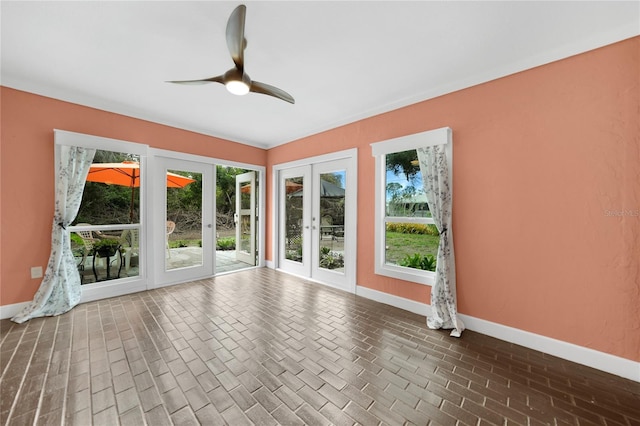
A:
[27,173]
[543,160]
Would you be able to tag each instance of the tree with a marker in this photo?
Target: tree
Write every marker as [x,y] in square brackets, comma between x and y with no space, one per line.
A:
[394,189]
[334,178]
[226,194]
[405,162]
[188,198]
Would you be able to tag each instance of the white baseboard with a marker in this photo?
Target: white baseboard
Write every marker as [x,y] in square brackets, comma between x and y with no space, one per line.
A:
[10,311]
[104,291]
[579,354]
[397,301]
[270,264]
[89,294]
[600,360]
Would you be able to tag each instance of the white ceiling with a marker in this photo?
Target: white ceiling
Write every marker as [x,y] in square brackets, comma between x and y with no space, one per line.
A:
[341,61]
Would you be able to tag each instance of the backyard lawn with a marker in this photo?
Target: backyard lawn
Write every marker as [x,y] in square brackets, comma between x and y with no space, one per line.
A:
[399,245]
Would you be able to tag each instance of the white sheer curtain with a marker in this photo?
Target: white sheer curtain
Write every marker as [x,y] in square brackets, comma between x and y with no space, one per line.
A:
[437,187]
[60,287]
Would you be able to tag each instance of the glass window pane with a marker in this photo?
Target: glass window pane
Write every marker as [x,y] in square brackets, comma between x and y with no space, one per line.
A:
[403,186]
[411,245]
[105,255]
[111,196]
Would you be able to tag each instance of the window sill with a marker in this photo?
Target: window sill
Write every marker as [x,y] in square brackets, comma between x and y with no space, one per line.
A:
[417,276]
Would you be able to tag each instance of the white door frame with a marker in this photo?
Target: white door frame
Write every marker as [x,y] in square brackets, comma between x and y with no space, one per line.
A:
[260,170]
[164,276]
[351,211]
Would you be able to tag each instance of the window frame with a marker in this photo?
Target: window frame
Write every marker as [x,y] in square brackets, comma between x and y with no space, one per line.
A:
[125,285]
[379,150]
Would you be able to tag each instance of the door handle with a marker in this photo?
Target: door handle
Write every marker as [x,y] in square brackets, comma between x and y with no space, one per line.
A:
[209,226]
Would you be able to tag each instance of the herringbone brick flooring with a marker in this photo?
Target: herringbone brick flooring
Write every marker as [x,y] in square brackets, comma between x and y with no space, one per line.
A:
[261,347]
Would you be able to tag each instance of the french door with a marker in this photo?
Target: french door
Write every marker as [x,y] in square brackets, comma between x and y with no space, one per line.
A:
[245,218]
[316,227]
[183,241]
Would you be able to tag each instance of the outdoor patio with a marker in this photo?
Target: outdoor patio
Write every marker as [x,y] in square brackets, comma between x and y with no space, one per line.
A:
[181,257]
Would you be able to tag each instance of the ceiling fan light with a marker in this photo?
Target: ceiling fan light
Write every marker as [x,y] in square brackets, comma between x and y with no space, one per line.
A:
[237,87]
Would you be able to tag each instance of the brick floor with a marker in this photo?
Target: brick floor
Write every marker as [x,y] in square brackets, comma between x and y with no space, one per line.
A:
[262,347]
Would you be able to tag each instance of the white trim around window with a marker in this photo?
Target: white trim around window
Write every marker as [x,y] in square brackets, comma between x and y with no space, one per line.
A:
[379,150]
[106,289]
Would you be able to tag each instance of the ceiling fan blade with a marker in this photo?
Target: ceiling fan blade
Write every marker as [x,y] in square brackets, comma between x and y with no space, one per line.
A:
[267,89]
[216,79]
[235,36]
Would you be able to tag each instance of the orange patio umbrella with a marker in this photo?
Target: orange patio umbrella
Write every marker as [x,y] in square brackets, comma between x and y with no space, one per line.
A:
[289,185]
[127,173]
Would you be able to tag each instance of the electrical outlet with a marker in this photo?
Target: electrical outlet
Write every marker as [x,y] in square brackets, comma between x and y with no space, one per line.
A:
[36,272]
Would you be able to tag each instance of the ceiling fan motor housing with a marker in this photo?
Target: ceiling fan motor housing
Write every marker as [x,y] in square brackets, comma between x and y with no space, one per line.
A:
[237,82]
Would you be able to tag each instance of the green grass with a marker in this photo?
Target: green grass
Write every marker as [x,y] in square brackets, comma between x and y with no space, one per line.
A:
[400,245]
[185,243]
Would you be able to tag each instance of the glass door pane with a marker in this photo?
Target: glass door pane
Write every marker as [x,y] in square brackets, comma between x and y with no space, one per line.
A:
[245,218]
[294,218]
[183,219]
[331,193]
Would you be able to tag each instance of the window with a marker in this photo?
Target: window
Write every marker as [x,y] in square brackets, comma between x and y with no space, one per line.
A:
[107,231]
[406,239]
[111,197]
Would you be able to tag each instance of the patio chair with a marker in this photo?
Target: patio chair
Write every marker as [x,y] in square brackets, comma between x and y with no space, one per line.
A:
[171,226]
[326,227]
[338,233]
[88,240]
[129,241]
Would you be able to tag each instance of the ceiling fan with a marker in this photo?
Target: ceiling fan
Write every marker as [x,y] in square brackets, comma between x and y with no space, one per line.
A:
[236,80]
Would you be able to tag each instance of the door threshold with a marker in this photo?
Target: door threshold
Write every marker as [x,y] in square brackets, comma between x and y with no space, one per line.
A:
[316,281]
